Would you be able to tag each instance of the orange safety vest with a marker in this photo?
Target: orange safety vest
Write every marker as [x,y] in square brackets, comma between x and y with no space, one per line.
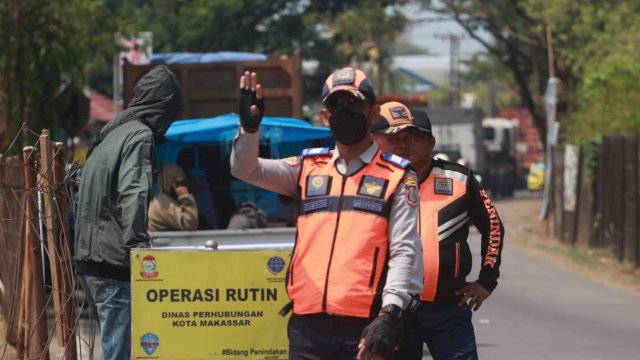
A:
[340,257]
[442,213]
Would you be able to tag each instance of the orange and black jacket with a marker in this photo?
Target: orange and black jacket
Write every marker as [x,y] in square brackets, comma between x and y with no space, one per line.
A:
[449,197]
[339,261]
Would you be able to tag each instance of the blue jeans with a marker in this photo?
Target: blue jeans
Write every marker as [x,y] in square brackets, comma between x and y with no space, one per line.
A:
[446,329]
[111,302]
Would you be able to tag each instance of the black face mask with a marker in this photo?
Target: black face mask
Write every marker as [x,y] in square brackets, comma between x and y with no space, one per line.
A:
[348,127]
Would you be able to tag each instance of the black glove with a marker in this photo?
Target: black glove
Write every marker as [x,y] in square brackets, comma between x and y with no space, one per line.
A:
[249,122]
[383,335]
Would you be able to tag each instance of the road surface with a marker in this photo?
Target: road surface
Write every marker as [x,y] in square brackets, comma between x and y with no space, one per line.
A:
[540,311]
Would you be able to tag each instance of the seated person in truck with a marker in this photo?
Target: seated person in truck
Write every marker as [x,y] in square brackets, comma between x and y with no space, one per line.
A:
[248,216]
[201,189]
[173,208]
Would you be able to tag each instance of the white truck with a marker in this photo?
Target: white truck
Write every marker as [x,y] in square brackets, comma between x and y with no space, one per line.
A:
[500,155]
[485,145]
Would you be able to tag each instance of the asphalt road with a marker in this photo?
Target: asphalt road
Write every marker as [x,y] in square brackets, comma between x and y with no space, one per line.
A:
[540,311]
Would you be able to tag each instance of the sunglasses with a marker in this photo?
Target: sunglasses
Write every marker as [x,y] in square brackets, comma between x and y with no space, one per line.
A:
[406,136]
[336,104]
[180,182]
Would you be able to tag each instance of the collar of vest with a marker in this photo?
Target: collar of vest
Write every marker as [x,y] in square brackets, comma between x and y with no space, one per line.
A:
[395,160]
[316,152]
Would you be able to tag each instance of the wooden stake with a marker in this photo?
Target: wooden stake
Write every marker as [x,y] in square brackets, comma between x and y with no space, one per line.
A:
[66,274]
[46,175]
[20,339]
[40,332]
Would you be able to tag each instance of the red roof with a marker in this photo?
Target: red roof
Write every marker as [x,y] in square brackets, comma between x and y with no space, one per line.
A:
[101,107]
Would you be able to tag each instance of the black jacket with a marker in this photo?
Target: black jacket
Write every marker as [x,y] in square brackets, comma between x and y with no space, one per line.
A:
[115,184]
[453,211]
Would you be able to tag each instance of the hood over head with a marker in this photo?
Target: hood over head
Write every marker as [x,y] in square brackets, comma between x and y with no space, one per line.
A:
[170,172]
[157,102]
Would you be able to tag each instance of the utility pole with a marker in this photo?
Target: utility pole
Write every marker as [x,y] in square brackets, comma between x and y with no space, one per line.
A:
[454,66]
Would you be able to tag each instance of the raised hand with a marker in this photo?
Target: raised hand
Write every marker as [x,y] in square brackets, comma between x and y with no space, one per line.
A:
[251,104]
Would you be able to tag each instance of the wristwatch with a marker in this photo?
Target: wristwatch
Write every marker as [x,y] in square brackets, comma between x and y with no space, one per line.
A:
[394,311]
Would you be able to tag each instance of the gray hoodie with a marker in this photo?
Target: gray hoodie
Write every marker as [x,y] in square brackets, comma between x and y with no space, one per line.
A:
[115,186]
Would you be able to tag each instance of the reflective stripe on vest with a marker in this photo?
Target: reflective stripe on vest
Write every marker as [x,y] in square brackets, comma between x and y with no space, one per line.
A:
[342,243]
[441,188]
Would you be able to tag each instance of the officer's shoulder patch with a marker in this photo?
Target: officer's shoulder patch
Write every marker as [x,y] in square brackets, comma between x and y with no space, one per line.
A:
[292,160]
[396,160]
[411,189]
[410,179]
[316,151]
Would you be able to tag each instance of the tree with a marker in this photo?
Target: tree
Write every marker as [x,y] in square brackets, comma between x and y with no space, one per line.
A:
[595,45]
[332,32]
[518,43]
[603,51]
[44,43]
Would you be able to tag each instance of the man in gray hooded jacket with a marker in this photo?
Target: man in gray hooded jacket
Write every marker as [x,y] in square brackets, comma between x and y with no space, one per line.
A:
[113,201]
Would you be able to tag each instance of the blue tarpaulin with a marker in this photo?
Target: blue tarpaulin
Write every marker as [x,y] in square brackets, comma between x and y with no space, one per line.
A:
[223,127]
[205,58]
[284,136]
[281,136]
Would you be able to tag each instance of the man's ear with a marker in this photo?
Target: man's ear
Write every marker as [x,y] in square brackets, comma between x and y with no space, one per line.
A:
[374,113]
[324,116]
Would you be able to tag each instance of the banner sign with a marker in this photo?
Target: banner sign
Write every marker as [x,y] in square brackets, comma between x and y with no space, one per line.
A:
[208,304]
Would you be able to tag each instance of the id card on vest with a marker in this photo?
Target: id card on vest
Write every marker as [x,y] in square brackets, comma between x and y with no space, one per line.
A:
[373,186]
[443,186]
[318,185]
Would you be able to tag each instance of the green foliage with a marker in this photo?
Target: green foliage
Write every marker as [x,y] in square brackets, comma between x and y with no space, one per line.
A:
[333,32]
[485,73]
[518,44]
[609,101]
[438,97]
[44,44]
[407,48]
[47,42]
[600,41]
[595,46]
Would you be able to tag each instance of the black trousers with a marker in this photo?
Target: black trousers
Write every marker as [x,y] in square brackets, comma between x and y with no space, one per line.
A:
[324,337]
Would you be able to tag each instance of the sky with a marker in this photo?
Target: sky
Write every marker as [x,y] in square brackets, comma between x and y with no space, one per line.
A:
[428,34]
[431,31]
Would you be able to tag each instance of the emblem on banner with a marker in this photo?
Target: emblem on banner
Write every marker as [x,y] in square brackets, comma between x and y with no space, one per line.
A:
[149,343]
[149,270]
[275,265]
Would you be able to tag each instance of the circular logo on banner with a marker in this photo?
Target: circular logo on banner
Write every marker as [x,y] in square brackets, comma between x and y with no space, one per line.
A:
[149,267]
[276,265]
